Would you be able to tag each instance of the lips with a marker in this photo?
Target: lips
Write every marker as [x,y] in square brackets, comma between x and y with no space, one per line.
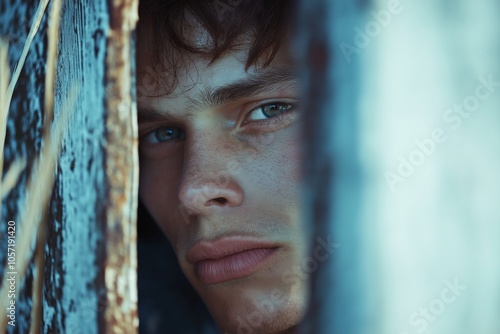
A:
[229,258]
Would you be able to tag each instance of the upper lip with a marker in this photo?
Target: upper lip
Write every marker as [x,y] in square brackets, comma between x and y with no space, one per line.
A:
[219,248]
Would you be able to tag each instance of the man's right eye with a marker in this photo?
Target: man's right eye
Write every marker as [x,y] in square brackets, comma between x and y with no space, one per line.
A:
[164,134]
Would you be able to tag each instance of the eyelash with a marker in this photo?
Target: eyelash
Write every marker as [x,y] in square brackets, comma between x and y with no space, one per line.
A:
[261,124]
[271,121]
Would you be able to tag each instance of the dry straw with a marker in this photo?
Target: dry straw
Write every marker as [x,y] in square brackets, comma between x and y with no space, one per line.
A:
[50,78]
[6,93]
[4,84]
[17,71]
[11,177]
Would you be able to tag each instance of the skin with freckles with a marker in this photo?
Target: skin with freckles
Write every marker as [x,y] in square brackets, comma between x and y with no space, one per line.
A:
[220,158]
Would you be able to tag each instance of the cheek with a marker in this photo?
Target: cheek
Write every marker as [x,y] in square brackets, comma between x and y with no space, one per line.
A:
[288,161]
[276,172]
[289,164]
[292,159]
[158,192]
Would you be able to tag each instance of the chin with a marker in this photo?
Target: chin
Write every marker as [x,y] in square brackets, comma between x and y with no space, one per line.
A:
[260,316]
[254,323]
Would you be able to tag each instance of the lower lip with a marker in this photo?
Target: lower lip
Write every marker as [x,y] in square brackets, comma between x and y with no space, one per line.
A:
[234,266]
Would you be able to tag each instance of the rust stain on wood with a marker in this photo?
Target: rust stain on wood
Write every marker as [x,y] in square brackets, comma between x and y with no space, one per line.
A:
[122,164]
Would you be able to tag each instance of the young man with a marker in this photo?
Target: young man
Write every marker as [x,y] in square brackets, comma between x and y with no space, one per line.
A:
[220,154]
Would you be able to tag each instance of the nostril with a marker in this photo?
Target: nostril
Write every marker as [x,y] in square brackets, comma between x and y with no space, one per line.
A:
[220,200]
[216,201]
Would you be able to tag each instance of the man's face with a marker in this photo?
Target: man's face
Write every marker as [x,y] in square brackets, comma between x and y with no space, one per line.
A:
[220,173]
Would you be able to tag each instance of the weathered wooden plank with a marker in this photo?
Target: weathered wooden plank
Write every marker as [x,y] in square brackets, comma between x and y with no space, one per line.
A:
[90,257]
[78,228]
[23,139]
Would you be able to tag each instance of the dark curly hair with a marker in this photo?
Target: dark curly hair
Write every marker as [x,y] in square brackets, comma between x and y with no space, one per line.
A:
[166,29]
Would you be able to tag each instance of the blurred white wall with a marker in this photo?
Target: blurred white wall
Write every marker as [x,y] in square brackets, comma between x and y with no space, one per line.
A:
[430,153]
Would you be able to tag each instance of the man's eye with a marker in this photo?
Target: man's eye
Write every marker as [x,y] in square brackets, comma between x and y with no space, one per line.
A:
[165,134]
[269,110]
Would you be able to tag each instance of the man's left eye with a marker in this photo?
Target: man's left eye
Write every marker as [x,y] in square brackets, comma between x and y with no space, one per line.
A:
[269,110]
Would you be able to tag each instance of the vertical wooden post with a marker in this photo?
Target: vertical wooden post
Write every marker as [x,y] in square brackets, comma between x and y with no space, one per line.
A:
[122,163]
[332,169]
[90,257]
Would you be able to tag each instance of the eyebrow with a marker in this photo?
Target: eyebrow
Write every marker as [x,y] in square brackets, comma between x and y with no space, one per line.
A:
[253,85]
[146,115]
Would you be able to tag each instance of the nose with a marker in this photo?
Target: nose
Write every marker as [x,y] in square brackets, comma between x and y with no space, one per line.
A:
[208,182]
